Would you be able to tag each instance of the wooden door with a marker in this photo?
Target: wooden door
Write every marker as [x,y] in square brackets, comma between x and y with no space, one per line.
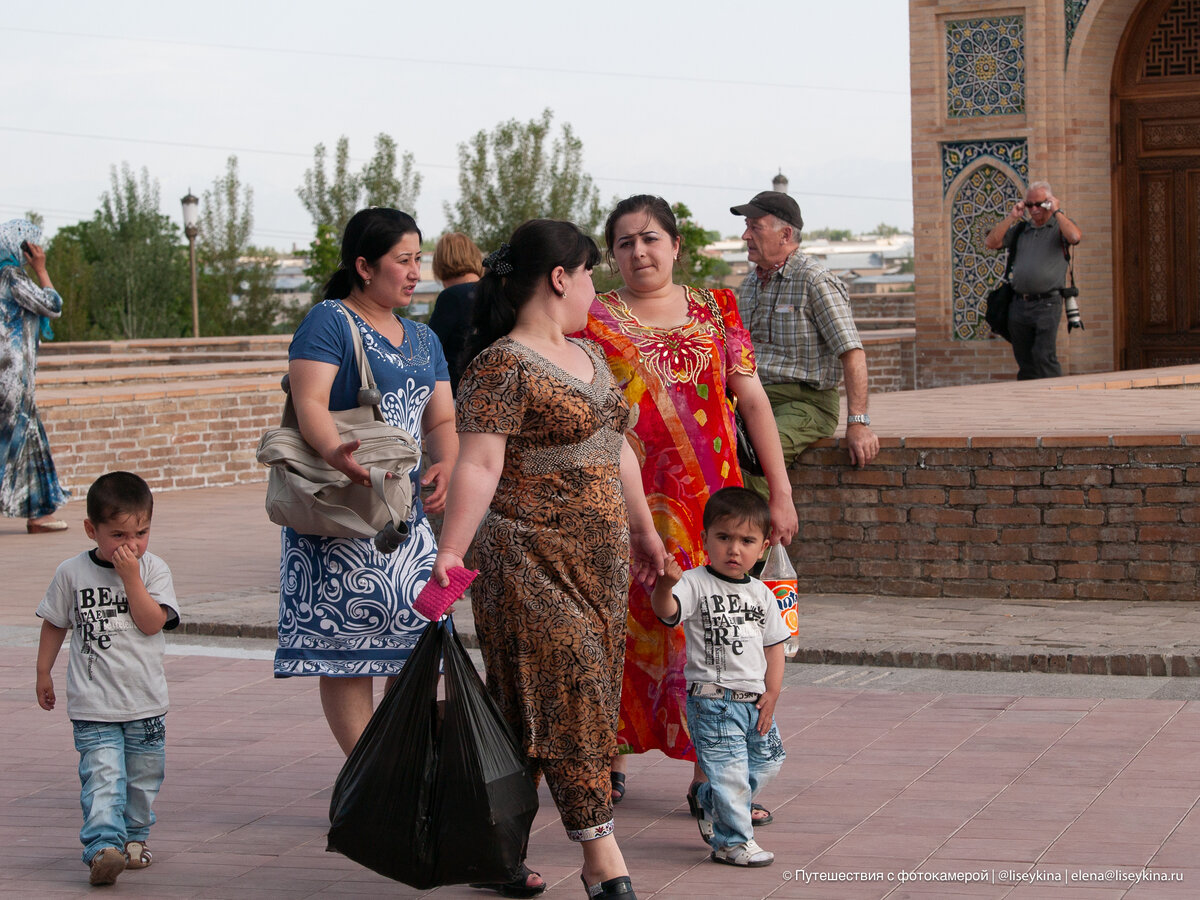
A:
[1160,188]
[1156,230]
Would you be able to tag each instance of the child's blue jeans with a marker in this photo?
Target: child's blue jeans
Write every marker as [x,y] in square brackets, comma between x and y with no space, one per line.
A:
[121,768]
[738,761]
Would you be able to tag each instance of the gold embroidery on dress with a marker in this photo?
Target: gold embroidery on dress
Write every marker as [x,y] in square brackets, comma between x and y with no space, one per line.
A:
[673,354]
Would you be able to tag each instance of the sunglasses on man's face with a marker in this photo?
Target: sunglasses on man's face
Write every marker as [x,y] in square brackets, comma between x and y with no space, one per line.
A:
[1045,204]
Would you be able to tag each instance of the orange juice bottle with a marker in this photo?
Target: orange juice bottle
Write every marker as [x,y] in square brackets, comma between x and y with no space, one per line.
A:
[780,576]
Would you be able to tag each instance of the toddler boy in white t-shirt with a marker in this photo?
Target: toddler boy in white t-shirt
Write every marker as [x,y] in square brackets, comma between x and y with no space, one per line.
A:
[734,670]
[115,601]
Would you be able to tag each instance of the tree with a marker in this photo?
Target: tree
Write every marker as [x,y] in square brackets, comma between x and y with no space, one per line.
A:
[379,182]
[236,284]
[885,230]
[331,203]
[698,268]
[71,272]
[510,175]
[139,276]
[829,234]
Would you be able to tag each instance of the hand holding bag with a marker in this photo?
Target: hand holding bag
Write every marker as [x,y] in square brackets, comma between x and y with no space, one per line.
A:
[435,794]
[304,492]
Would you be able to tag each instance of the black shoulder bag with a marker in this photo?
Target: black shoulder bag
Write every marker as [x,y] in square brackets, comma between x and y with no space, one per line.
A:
[1001,296]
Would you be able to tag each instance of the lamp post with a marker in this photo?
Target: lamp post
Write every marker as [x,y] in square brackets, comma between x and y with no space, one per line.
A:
[191,227]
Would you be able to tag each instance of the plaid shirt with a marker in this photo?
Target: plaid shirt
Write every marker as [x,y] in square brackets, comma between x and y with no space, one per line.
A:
[800,322]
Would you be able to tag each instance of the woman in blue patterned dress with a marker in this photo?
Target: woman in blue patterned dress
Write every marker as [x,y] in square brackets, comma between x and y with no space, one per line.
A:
[345,609]
[29,486]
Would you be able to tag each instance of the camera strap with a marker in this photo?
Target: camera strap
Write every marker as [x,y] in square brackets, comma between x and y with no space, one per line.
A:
[1070,261]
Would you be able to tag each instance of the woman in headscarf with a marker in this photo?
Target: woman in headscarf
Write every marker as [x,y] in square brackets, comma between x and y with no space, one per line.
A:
[29,485]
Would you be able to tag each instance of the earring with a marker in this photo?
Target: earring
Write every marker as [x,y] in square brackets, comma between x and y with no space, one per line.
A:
[367,282]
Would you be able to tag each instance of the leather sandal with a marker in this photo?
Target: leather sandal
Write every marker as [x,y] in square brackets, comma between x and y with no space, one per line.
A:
[518,887]
[764,820]
[137,855]
[619,888]
[697,811]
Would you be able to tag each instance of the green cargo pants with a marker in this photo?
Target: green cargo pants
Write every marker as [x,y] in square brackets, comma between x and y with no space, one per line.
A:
[803,416]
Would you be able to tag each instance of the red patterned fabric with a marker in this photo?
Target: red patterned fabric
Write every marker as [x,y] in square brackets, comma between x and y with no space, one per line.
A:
[675,382]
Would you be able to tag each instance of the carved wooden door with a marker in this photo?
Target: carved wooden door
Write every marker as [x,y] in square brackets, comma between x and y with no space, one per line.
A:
[1160,142]
[1157,100]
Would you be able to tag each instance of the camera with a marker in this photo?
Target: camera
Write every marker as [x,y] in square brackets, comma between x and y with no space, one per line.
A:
[1074,320]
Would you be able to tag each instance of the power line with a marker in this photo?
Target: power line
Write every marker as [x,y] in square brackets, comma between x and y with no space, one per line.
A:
[544,70]
[423,165]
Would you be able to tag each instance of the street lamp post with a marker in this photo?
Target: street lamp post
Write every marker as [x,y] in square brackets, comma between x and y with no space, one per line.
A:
[191,227]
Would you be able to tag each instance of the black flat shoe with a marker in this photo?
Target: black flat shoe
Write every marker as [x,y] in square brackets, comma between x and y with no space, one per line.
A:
[617,780]
[518,887]
[620,888]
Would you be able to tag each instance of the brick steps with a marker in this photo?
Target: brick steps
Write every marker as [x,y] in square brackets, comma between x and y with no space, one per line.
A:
[71,376]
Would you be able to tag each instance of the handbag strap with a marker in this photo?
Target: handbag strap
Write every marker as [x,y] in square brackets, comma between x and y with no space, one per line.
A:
[1012,251]
[366,377]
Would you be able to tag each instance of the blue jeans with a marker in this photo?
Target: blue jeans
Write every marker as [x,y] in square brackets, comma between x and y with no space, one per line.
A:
[738,761]
[121,768]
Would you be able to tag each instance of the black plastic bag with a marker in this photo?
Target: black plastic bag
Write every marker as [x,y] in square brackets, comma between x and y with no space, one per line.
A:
[435,794]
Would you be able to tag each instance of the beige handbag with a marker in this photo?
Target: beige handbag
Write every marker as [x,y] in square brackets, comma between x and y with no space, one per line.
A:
[306,493]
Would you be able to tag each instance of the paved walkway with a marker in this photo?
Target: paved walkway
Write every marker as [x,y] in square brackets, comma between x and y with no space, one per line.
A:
[1069,796]
[223,553]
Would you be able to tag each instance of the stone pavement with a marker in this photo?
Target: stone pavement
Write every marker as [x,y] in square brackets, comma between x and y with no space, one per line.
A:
[223,553]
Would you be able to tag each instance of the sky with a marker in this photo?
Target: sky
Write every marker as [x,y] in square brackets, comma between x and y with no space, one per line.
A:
[700,102]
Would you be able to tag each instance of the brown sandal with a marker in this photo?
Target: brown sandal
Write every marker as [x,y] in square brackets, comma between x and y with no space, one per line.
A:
[137,855]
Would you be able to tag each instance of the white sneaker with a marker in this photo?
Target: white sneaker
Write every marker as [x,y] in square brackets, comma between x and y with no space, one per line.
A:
[747,854]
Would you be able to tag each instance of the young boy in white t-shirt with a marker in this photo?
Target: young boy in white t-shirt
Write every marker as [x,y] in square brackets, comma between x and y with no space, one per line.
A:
[115,600]
[734,670]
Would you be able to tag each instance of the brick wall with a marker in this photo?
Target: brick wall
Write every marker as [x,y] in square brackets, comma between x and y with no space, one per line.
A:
[1068,123]
[186,437]
[1054,519]
[891,361]
[894,305]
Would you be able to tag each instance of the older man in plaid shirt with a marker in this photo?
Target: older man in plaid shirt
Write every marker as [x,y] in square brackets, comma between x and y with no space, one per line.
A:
[799,317]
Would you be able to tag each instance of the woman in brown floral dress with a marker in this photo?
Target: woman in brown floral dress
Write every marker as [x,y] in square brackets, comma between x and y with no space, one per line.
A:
[545,466]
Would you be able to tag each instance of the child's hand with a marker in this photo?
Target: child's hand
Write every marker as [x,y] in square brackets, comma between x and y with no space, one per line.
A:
[45,692]
[672,572]
[766,711]
[125,561]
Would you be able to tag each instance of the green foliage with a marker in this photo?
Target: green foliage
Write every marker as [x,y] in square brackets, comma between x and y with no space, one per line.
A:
[380,184]
[332,201]
[329,202]
[697,268]
[511,174]
[829,234]
[885,230]
[71,273]
[122,274]
[236,279]
[324,256]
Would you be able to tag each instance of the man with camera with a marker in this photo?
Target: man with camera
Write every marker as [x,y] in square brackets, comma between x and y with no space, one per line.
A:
[1040,249]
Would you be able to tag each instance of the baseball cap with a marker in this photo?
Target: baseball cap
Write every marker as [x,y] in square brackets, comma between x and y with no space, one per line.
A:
[771,203]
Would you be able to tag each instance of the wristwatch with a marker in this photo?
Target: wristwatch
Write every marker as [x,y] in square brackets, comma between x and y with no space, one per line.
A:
[1057,211]
[858,419]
